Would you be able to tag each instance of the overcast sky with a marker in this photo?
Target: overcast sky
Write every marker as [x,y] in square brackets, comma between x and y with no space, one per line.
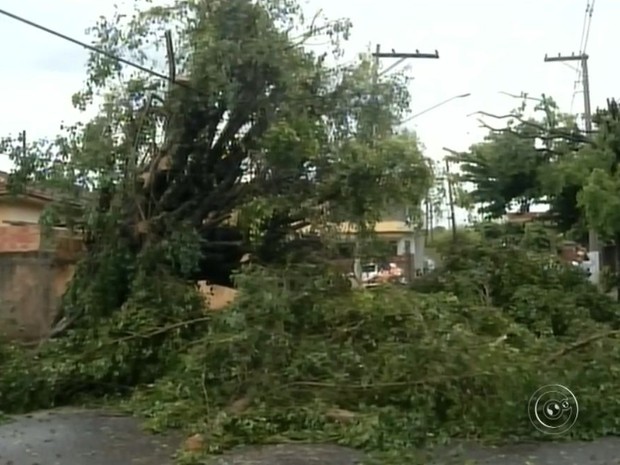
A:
[485,46]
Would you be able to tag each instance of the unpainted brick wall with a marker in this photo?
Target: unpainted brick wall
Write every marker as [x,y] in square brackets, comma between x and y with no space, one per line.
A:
[24,296]
[19,238]
[34,274]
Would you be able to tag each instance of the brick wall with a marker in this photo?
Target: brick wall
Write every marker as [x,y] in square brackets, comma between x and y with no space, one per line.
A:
[25,296]
[19,238]
[35,269]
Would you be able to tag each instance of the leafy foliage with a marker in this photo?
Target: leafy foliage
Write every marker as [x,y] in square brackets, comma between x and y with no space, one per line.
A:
[256,139]
[262,139]
[301,357]
[523,163]
[600,190]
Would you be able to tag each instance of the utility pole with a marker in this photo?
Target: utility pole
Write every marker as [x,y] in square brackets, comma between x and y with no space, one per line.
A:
[585,77]
[357,262]
[451,200]
[418,257]
[427,219]
[451,190]
[582,58]
[431,222]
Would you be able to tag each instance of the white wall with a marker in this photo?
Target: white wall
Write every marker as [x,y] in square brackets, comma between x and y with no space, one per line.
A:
[18,211]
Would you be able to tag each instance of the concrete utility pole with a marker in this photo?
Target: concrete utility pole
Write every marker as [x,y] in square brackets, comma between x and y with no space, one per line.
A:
[417,239]
[378,55]
[582,58]
[585,78]
[451,200]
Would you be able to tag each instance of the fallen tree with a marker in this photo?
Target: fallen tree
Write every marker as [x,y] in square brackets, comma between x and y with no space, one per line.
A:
[262,139]
[296,357]
[249,140]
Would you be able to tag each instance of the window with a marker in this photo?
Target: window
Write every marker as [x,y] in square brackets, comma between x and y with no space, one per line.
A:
[346,250]
[369,268]
[393,248]
[408,248]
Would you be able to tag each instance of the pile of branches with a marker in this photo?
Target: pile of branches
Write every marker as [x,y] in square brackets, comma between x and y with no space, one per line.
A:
[385,371]
[300,357]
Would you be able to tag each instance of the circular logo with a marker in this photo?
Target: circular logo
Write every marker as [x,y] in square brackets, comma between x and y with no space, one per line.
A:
[553,409]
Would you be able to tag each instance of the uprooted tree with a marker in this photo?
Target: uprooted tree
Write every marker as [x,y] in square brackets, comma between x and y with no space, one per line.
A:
[254,142]
[250,139]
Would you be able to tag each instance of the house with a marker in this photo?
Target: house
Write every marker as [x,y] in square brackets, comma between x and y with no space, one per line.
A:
[525,217]
[21,209]
[35,266]
[394,228]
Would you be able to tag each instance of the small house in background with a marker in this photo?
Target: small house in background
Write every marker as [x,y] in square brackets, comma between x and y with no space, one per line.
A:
[525,217]
[21,209]
[394,230]
[572,252]
[35,266]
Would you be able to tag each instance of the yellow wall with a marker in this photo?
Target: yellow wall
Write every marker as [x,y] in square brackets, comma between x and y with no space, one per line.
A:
[12,209]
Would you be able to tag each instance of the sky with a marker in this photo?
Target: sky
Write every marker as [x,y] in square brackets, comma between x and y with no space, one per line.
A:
[485,46]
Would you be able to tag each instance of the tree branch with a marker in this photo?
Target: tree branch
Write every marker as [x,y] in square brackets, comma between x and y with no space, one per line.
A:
[552,133]
[582,343]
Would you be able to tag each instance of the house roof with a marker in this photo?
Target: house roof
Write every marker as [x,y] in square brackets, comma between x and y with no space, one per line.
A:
[44,195]
[381,227]
[38,194]
[524,217]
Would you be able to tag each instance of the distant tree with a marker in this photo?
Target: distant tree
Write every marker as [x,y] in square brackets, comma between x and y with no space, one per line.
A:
[516,164]
[599,164]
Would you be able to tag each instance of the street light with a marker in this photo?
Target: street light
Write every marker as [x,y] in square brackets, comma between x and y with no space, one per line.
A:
[406,120]
[419,246]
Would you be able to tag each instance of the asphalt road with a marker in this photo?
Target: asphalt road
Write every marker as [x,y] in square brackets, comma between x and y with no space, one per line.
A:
[77,437]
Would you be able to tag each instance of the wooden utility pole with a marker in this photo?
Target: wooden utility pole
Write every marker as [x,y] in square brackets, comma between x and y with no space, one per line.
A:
[582,58]
[378,55]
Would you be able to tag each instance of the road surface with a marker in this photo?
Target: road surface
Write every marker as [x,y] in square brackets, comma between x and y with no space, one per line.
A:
[78,437]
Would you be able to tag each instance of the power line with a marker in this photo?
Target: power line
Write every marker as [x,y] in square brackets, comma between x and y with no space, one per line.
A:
[584,25]
[578,70]
[79,43]
[587,36]
[583,45]
[113,56]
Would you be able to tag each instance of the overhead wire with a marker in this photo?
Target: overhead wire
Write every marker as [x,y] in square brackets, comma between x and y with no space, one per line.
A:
[587,36]
[583,45]
[112,56]
[79,43]
[584,25]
